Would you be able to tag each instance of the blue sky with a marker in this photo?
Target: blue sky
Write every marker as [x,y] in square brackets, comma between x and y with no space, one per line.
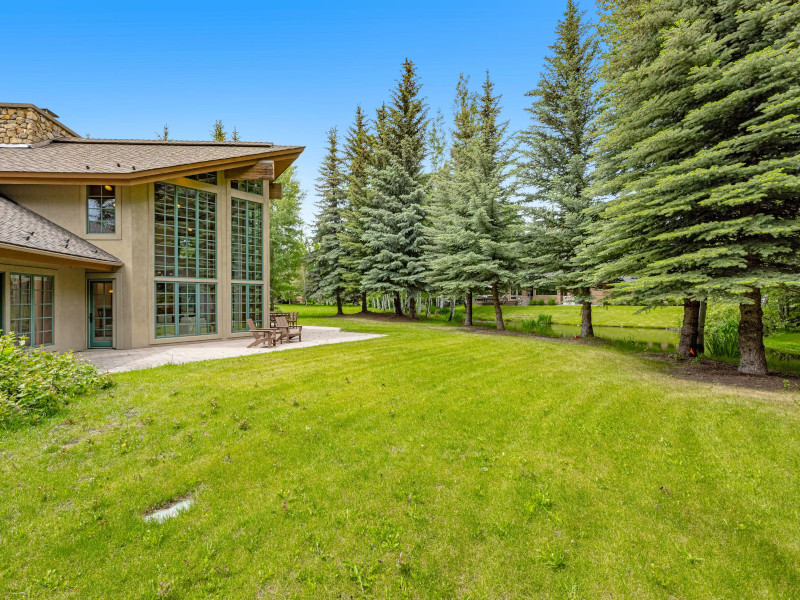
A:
[280,72]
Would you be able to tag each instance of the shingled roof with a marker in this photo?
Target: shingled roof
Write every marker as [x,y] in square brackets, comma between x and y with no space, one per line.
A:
[81,160]
[24,230]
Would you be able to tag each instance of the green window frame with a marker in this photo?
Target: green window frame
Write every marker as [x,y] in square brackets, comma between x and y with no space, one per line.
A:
[247,302]
[185,309]
[247,240]
[101,209]
[251,186]
[185,232]
[32,307]
[210,177]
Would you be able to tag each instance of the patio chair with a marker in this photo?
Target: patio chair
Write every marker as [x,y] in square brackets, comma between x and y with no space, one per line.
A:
[292,319]
[287,331]
[262,335]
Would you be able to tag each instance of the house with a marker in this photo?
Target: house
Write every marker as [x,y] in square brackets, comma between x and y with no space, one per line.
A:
[131,243]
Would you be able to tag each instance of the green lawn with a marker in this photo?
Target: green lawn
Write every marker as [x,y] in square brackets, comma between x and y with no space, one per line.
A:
[430,463]
[785,343]
[610,316]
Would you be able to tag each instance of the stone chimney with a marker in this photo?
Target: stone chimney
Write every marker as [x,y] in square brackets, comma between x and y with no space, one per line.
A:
[29,124]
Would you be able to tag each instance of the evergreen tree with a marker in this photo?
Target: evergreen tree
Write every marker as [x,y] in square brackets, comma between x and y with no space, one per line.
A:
[164,135]
[358,156]
[407,122]
[218,133]
[475,223]
[235,134]
[287,247]
[706,166]
[448,249]
[393,234]
[328,270]
[555,163]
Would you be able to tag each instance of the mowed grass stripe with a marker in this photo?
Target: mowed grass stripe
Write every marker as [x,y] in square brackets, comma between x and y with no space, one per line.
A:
[429,463]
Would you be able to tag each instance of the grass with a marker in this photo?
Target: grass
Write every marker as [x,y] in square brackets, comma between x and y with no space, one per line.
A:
[429,463]
[785,343]
[609,316]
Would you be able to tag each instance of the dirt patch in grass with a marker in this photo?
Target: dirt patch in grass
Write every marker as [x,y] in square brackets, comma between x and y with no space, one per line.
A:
[719,372]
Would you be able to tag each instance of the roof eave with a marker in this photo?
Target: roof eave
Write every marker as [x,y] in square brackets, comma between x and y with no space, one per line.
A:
[282,158]
[35,254]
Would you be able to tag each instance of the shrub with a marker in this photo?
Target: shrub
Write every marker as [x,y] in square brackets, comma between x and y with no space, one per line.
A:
[35,383]
[540,324]
[722,330]
[722,338]
[551,302]
[536,302]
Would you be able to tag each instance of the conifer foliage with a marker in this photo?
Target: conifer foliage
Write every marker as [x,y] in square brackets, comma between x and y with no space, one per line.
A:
[704,156]
[358,159]
[393,218]
[475,226]
[555,164]
[328,264]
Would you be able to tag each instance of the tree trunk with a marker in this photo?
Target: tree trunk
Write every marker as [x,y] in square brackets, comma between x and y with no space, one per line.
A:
[701,328]
[586,316]
[339,310]
[498,311]
[428,306]
[412,306]
[468,310]
[753,360]
[687,345]
[364,307]
[398,305]
[452,309]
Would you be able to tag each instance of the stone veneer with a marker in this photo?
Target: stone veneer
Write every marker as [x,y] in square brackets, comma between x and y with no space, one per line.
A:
[28,125]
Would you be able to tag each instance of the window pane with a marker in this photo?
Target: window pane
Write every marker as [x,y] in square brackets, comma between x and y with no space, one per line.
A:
[185,232]
[185,309]
[32,307]
[247,302]
[101,209]
[247,240]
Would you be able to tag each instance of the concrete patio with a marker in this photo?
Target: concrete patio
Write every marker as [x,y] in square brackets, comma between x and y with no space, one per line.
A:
[117,361]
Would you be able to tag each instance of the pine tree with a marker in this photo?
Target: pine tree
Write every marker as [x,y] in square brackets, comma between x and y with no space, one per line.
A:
[448,249]
[164,135]
[706,165]
[407,122]
[393,233]
[475,223]
[328,268]
[555,161]
[397,220]
[235,134]
[287,247]
[218,133]
[358,157]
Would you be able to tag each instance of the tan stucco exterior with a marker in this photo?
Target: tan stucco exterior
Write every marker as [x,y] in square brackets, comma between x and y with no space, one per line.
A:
[133,243]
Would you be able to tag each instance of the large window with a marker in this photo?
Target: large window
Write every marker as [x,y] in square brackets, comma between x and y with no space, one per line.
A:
[185,309]
[101,209]
[185,232]
[251,186]
[247,240]
[247,302]
[32,307]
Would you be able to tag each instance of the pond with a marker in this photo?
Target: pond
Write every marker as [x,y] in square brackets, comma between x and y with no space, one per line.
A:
[662,340]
